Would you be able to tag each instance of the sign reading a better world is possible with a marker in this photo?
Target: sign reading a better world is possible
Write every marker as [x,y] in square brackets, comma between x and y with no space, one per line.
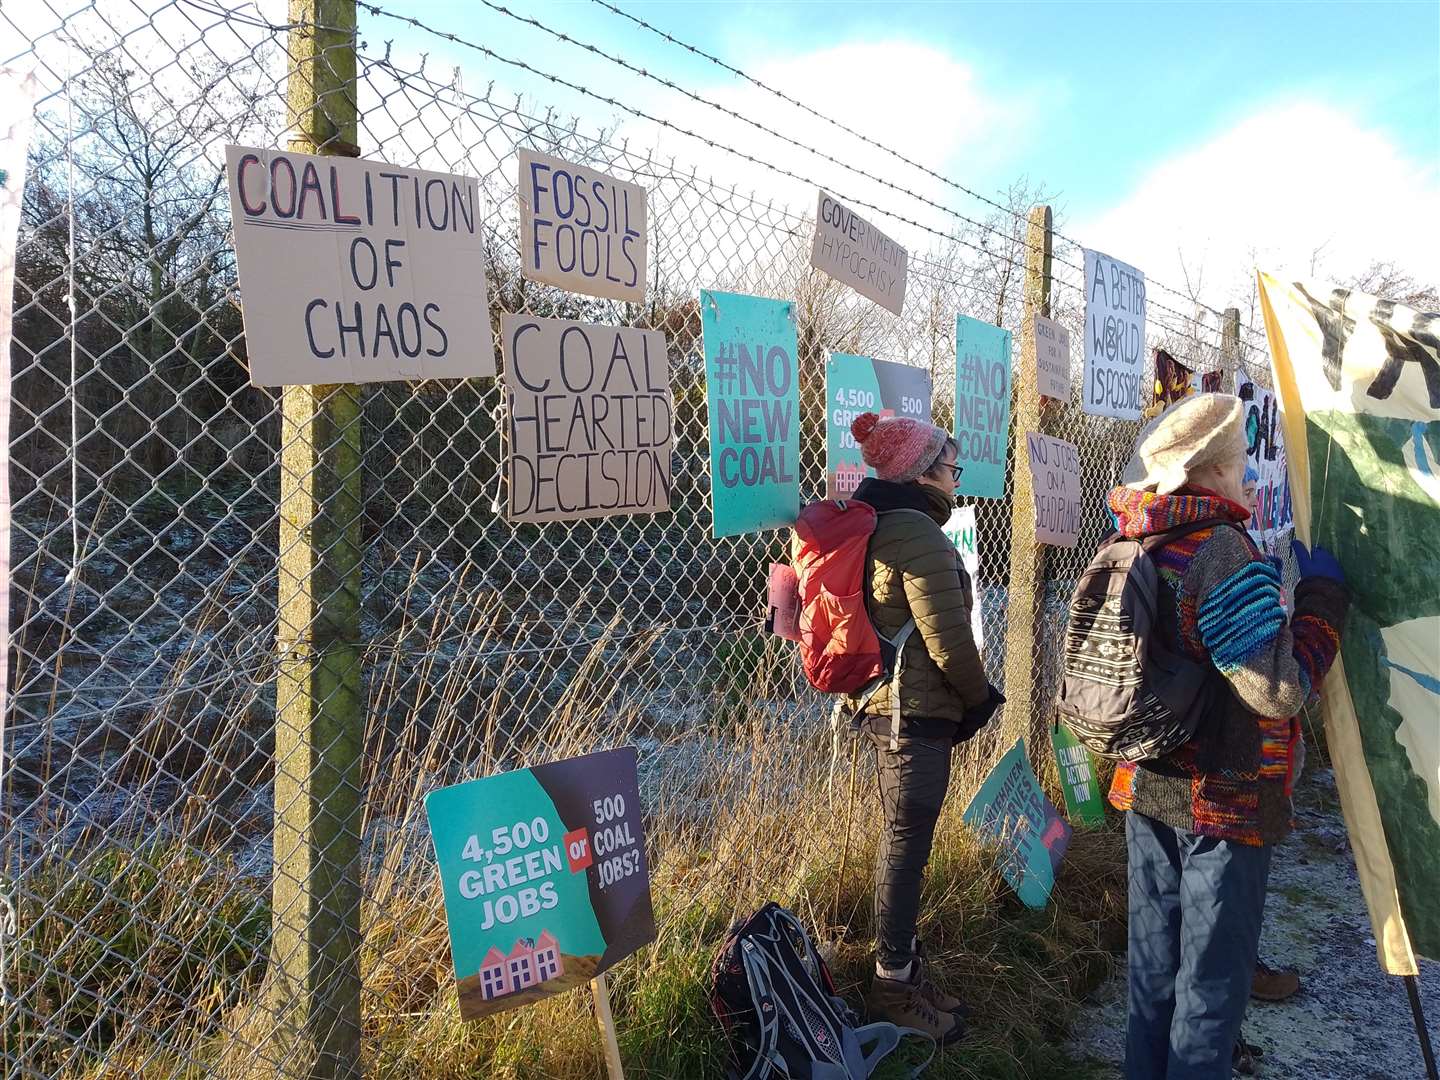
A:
[1114,337]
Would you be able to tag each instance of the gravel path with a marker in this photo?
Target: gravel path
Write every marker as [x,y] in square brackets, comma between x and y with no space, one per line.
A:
[1349,1021]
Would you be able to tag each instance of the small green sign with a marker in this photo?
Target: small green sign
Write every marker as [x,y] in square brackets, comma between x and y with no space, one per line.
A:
[1084,802]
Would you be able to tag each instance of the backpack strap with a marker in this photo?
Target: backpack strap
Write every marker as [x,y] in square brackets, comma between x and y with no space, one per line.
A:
[1155,541]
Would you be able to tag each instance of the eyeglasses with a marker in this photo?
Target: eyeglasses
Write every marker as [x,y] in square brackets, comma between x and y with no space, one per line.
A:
[956,470]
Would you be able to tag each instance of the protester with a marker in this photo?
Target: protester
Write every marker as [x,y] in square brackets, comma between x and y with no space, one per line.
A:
[1201,822]
[915,572]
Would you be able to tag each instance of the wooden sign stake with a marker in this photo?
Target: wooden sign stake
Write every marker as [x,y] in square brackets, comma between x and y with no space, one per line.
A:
[606,1020]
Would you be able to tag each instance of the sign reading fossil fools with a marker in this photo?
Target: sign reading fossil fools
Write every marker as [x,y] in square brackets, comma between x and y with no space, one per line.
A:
[856,253]
[357,271]
[588,418]
[1114,337]
[544,875]
[580,229]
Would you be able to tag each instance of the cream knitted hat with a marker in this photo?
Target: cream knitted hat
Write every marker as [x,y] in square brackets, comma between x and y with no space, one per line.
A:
[1199,430]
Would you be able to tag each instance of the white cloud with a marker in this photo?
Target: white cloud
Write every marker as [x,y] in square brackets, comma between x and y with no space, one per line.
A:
[1292,185]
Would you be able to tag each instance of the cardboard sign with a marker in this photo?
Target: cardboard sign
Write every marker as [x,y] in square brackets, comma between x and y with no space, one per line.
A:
[982,406]
[962,531]
[580,229]
[1114,337]
[589,419]
[1084,801]
[1265,455]
[1055,475]
[752,390]
[1052,358]
[855,385]
[357,271]
[545,878]
[856,253]
[1011,810]
[784,600]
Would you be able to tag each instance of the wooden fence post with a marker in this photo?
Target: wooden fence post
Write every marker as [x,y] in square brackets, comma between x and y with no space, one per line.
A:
[1229,349]
[1027,556]
[313,989]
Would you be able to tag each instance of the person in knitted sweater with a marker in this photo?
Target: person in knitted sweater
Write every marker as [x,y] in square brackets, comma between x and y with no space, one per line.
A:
[1201,822]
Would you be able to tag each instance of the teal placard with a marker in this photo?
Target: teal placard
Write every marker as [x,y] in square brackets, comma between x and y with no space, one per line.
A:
[1011,810]
[982,406]
[1084,801]
[858,384]
[752,391]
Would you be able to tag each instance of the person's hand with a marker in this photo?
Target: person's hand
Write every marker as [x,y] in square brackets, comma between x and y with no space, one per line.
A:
[977,716]
[1317,562]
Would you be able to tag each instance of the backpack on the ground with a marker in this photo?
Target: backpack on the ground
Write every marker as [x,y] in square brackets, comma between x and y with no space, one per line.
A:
[1127,691]
[775,999]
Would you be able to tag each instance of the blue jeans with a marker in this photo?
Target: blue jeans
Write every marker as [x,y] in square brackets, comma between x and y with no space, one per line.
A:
[1195,909]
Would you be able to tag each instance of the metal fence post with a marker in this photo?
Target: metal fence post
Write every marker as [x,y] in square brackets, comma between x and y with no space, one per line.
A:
[314,975]
[1027,556]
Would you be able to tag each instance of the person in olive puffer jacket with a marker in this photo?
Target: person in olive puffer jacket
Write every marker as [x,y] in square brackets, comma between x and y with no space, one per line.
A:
[914,572]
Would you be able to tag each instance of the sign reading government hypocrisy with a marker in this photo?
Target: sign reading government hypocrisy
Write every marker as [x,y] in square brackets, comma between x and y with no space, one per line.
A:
[544,875]
[856,253]
[752,391]
[1012,811]
[1055,476]
[1114,337]
[589,419]
[357,271]
[982,406]
[580,229]
[855,385]
[1359,382]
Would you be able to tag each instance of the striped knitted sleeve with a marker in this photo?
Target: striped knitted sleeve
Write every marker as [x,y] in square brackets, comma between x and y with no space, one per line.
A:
[1273,664]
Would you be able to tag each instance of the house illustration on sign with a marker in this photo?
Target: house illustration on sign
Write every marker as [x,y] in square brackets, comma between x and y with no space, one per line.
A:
[531,961]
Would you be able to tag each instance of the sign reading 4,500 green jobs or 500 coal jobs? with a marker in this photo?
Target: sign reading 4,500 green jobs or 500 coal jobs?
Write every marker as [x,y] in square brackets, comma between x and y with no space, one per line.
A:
[855,385]
[545,878]
[982,406]
[753,395]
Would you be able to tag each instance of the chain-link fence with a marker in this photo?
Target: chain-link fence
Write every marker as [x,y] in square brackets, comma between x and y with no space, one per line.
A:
[139,768]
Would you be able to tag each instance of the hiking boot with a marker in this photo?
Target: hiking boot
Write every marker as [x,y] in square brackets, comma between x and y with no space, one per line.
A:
[901,1002]
[933,994]
[1271,985]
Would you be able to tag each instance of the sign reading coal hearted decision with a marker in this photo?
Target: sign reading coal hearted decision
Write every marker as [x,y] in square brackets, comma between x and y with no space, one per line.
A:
[545,878]
[1052,358]
[1055,476]
[1114,337]
[856,253]
[580,229]
[855,385]
[982,406]
[752,391]
[589,419]
[1011,810]
[357,271]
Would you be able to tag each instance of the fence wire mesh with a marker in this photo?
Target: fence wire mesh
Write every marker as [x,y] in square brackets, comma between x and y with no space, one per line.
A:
[139,752]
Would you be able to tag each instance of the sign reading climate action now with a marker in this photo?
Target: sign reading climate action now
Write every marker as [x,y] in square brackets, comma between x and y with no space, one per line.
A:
[855,385]
[545,879]
[856,253]
[357,271]
[589,418]
[1114,337]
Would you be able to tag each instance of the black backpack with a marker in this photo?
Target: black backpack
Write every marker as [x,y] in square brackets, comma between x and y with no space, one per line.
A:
[1128,691]
[775,998]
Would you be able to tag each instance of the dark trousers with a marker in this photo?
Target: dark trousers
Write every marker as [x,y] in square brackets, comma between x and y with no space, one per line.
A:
[1195,909]
[912,784]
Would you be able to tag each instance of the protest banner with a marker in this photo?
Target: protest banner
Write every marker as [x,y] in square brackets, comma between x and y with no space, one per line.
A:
[1359,385]
[1273,521]
[18,90]
[752,391]
[963,533]
[857,254]
[1114,337]
[855,385]
[1052,358]
[1055,475]
[1174,381]
[544,875]
[1012,811]
[588,417]
[357,271]
[580,229]
[982,406]
[1084,801]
